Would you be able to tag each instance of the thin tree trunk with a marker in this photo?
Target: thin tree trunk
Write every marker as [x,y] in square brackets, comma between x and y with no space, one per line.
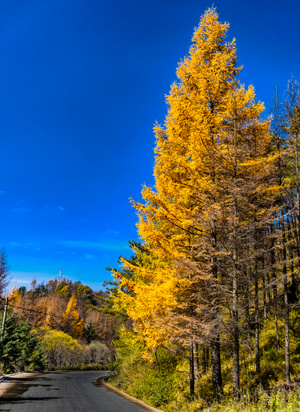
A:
[297,180]
[235,319]
[264,279]
[295,235]
[192,372]
[4,317]
[235,351]
[265,293]
[274,287]
[215,346]
[247,304]
[257,350]
[216,368]
[293,288]
[286,310]
[196,361]
[268,289]
[287,333]
[204,360]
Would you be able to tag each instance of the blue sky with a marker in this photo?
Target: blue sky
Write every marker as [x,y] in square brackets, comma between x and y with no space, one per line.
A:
[82,84]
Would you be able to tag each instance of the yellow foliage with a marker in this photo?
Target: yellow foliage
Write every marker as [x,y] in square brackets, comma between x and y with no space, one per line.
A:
[212,152]
[73,323]
[149,297]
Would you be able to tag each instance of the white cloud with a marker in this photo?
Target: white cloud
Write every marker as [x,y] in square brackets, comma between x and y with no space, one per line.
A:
[27,245]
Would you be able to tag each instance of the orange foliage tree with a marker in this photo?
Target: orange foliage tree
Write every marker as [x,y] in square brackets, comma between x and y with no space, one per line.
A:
[213,194]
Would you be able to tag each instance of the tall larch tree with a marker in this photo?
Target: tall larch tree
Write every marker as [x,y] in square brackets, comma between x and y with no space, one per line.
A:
[178,220]
[212,169]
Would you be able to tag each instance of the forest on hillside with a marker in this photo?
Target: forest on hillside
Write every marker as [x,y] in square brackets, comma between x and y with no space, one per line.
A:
[55,325]
[211,293]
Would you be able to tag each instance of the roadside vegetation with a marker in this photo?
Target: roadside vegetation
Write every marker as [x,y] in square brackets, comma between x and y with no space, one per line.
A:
[58,325]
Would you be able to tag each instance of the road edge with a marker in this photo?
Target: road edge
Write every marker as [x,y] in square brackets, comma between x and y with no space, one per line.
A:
[125,395]
[6,381]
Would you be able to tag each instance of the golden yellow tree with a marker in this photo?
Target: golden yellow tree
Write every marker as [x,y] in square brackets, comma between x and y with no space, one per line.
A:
[73,325]
[147,298]
[179,218]
[212,184]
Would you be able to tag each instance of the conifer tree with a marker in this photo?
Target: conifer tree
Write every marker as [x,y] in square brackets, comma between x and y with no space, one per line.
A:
[292,106]
[212,195]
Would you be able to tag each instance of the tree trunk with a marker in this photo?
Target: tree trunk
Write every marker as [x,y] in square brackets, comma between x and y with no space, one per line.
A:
[196,361]
[286,310]
[192,374]
[291,250]
[265,294]
[247,304]
[274,287]
[295,235]
[235,346]
[235,319]
[297,180]
[257,350]
[216,368]
[287,333]
[264,288]
[215,346]
[204,360]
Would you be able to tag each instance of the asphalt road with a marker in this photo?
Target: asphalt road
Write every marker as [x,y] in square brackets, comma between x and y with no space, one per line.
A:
[64,392]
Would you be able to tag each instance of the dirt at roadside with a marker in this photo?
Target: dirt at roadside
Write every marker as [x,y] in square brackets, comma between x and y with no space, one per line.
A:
[8,381]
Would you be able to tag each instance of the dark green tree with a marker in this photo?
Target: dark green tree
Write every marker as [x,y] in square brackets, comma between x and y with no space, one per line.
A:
[90,333]
[20,348]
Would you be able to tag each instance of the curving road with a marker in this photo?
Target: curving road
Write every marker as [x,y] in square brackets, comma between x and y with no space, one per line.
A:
[63,392]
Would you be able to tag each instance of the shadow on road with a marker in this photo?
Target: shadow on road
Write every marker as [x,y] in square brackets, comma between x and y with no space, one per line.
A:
[23,400]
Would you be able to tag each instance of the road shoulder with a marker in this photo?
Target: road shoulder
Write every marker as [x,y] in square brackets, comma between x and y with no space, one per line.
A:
[8,381]
[125,395]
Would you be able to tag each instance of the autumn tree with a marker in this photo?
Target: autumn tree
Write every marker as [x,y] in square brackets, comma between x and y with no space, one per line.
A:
[73,324]
[292,106]
[55,312]
[186,171]
[212,175]
[285,241]
[146,291]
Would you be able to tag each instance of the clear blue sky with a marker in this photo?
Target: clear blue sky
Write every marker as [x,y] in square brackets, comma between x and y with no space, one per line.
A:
[82,84]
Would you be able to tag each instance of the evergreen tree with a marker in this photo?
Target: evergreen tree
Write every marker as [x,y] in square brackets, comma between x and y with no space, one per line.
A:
[20,348]
[90,333]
